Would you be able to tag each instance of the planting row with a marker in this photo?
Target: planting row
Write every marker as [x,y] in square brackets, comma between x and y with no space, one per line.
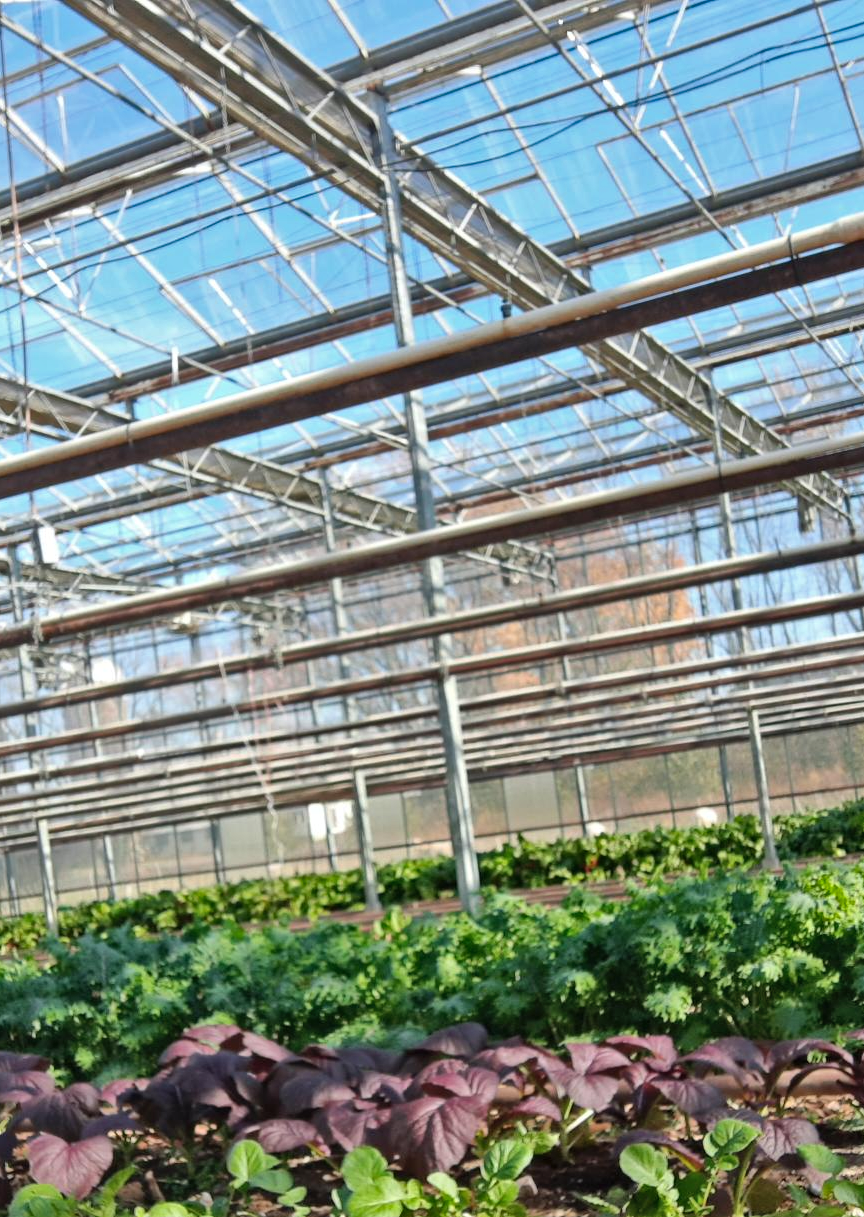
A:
[394,1119]
[761,955]
[644,855]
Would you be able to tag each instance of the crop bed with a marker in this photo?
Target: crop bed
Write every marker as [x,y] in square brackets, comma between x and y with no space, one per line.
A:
[441,1124]
[646,855]
[694,1051]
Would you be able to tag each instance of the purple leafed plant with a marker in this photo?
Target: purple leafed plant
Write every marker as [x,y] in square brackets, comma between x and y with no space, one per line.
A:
[422,1108]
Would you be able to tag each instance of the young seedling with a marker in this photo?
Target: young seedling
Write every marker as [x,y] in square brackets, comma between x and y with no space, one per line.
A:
[728,1156]
[253,1170]
[372,1190]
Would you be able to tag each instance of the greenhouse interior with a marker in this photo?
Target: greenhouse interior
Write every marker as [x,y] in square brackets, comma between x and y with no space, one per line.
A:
[432,587]
[202,247]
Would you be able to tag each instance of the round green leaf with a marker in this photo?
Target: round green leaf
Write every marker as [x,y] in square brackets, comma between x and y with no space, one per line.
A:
[363,1166]
[645,1165]
[821,1159]
[247,1158]
[506,1160]
[845,1191]
[445,1184]
[729,1137]
[293,1197]
[35,1191]
[272,1181]
[382,1197]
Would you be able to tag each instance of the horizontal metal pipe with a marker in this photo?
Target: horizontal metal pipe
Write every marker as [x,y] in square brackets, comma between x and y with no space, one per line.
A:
[578,321]
[807,720]
[837,451]
[572,733]
[640,636]
[504,729]
[484,616]
[262,769]
[557,701]
[525,764]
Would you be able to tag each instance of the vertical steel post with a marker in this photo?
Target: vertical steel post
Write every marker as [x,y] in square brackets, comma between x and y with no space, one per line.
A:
[332,852]
[11,885]
[724,503]
[30,688]
[450,720]
[46,870]
[723,755]
[582,798]
[726,783]
[770,861]
[110,868]
[337,590]
[364,842]
[329,839]
[854,563]
[218,853]
[560,618]
[340,627]
[26,671]
[727,526]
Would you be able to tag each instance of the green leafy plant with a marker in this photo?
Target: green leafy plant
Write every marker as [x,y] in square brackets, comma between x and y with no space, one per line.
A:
[45,1200]
[672,1182]
[757,955]
[372,1190]
[647,855]
[253,1170]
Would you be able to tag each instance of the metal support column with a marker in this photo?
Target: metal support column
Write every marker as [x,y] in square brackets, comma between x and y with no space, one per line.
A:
[340,627]
[766,823]
[364,842]
[30,688]
[337,590]
[582,798]
[110,867]
[726,783]
[11,885]
[560,618]
[332,852]
[854,563]
[704,608]
[26,671]
[730,549]
[46,870]
[218,852]
[458,792]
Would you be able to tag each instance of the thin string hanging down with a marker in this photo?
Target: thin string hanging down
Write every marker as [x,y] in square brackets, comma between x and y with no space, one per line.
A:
[255,762]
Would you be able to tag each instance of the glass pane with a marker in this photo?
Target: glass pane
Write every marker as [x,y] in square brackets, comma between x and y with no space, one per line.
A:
[195,847]
[125,868]
[741,772]
[293,833]
[387,821]
[531,801]
[694,779]
[568,803]
[426,815]
[487,807]
[73,868]
[243,847]
[25,871]
[641,785]
[601,797]
[157,853]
